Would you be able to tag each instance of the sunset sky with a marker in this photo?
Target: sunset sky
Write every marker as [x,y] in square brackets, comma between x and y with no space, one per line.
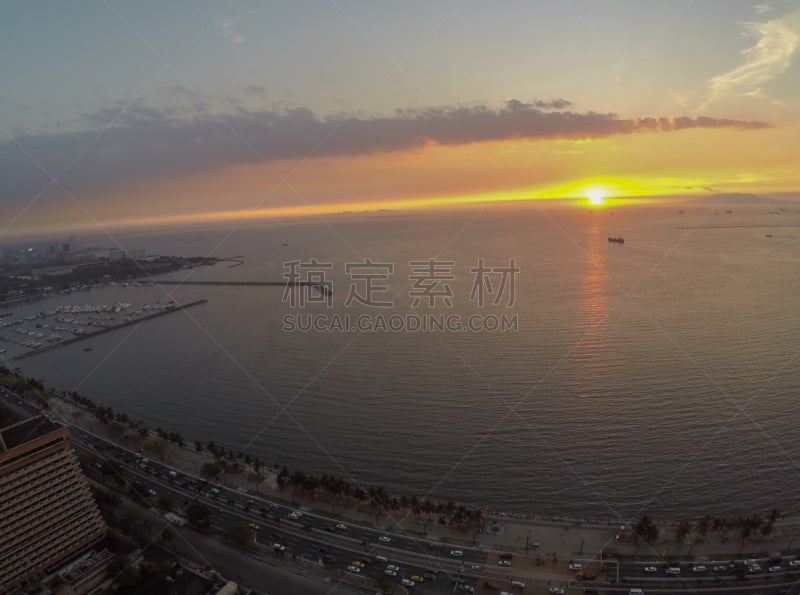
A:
[115,113]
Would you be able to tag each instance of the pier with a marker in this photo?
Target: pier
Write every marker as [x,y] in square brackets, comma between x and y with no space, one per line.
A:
[102,331]
[318,286]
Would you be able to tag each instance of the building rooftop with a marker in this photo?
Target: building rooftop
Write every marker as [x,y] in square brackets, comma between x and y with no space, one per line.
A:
[25,431]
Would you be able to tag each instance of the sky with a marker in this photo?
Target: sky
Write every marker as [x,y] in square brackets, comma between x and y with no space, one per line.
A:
[146,113]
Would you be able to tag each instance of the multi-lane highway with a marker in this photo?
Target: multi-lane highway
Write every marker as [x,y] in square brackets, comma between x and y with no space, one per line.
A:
[419,564]
[423,565]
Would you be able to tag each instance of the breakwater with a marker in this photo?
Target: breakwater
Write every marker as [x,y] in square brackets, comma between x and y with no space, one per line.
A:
[102,331]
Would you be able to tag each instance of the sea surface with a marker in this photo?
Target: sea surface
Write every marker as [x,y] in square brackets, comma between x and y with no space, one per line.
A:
[656,376]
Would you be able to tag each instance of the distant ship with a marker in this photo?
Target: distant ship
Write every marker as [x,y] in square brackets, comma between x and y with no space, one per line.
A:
[619,240]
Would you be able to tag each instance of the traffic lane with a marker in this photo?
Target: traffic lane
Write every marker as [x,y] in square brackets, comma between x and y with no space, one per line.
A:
[307,546]
[174,486]
[761,589]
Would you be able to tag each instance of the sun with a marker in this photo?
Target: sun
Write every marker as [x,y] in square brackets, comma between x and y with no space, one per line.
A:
[595,196]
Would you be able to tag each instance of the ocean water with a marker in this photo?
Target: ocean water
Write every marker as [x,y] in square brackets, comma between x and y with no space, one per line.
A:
[659,375]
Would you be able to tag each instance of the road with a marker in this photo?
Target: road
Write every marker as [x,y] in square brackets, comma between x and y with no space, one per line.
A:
[362,551]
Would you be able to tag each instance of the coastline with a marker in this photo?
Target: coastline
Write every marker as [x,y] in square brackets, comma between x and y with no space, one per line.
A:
[539,536]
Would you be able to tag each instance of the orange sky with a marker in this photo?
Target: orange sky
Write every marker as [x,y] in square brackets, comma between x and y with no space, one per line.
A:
[650,164]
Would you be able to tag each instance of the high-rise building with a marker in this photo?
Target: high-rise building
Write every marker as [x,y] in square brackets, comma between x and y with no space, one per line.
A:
[47,512]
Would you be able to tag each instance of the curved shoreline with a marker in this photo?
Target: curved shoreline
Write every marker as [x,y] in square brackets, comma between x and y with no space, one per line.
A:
[527,518]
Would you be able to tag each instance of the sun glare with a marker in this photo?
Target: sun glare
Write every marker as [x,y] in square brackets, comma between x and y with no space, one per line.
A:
[595,196]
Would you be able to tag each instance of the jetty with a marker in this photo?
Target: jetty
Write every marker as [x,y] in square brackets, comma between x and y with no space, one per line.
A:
[323,289]
[102,331]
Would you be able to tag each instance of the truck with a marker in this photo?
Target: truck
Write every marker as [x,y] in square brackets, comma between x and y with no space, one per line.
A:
[175,519]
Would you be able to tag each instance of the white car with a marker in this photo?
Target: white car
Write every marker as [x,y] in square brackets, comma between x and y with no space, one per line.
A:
[295,515]
[719,568]
[341,526]
[278,547]
[556,590]
[504,563]
[467,588]
[393,567]
[575,566]
[384,539]
[698,568]
[754,568]
[794,563]
[456,553]
[355,569]
[408,582]
[775,568]
[650,569]
[390,572]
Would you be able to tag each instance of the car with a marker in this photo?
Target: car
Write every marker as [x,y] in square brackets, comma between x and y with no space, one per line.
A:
[295,515]
[341,526]
[173,474]
[719,568]
[278,547]
[352,568]
[504,563]
[505,593]
[381,559]
[673,570]
[467,588]
[698,568]
[475,566]
[518,584]
[328,559]
[556,590]
[754,568]
[390,572]
[392,567]
[650,569]
[456,553]
[430,575]
[775,568]
[273,506]
[329,528]
[151,492]
[358,563]
[750,561]
[575,566]
[417,578]
[794,563]
[384,539]
[212,490]
[407,582]
[254,526]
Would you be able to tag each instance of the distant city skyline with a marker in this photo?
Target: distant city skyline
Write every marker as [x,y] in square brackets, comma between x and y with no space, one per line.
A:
[116,114]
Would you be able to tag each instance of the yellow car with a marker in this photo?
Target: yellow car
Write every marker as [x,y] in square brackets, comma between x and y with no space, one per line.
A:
[254,527]
[358,563]
[417,579]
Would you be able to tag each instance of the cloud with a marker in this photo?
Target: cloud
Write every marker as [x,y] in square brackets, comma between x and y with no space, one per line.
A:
[228,27]
[777,43]
[552,104]
[258,90]
[146,143]
[516,104]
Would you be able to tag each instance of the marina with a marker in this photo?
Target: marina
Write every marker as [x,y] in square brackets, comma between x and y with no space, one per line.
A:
[68,327]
